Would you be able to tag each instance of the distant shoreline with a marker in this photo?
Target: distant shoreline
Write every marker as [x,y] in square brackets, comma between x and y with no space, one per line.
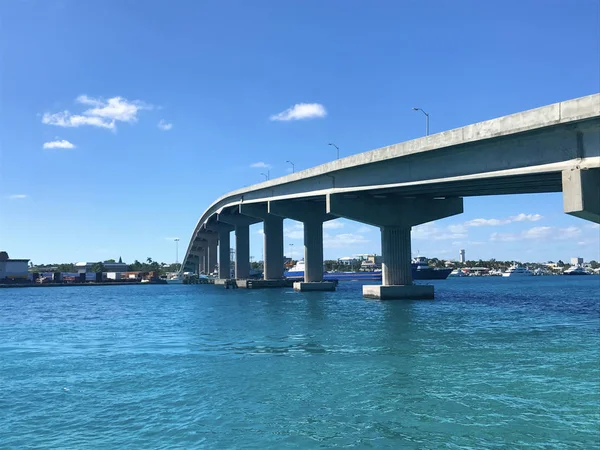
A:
[116,283]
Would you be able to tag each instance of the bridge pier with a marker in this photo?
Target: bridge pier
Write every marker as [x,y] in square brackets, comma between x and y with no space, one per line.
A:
[581,193]
[272,239]
[312,215]
[209,244]
[394,216]
[242,242]
[223,230]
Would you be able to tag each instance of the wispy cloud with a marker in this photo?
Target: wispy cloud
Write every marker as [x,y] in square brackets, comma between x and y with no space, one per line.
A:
[430,231]
[67,120]
[538,233]
[526,218]
[343,240]
[163,125]
[294,231]
[495,222]
[365,229]
[17,196]
[58,144]
[103,114]
[260,165]
[301,111]
[333,224]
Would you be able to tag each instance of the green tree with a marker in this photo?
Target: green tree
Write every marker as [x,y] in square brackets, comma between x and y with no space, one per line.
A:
[594,264]
[110,261]
[65,268]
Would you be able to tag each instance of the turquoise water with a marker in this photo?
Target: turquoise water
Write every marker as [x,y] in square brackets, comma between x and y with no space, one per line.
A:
[491,363]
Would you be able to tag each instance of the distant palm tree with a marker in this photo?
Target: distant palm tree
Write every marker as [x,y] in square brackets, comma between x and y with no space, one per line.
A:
[149,260]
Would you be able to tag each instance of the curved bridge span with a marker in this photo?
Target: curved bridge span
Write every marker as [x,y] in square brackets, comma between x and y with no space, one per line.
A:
[549,149]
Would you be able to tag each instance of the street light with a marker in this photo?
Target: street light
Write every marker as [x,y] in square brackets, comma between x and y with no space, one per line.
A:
[291,252]
[267,175]
[293,166]
[426,120]
[176,250]
[338,149]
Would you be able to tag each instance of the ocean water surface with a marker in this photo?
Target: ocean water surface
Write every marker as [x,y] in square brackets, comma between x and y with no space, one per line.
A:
[491,363]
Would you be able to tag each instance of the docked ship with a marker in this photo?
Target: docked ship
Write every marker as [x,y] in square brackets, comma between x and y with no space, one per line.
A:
[175,278]
[516,271]
[575,271]
[420,271]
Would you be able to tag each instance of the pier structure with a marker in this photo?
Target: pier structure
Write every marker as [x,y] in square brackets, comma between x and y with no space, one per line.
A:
[555,148]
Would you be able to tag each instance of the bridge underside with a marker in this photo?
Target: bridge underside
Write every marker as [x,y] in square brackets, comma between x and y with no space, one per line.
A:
[551,149]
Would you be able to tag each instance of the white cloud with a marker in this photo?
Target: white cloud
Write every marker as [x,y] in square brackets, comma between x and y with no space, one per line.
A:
[67,120]
[104,114]
[457,228]
[58,144]
[260,165]
[568,233]
[486,222]
[538,233]
[164,125]
[503,237]
[495,222]
[301,111]
[17,196]
[294,231]
[526,218]
[365,229]
[430,231]
[342,240]
[260,231]
[333,224]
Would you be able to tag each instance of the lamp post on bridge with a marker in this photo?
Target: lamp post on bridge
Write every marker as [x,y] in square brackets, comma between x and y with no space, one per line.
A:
[426,120]
[293,166]
[267,175]
[337,148]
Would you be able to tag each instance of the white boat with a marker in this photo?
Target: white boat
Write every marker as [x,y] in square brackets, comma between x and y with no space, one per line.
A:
[575,271]
[174,278]
[458,273]
[517,271]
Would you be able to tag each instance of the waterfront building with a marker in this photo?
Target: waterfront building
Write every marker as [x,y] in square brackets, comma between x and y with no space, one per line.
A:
[462,256]
[577,262]
[347,260]
[13,269]
[85,267]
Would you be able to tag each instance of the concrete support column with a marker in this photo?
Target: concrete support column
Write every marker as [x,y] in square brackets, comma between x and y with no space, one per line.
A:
[312,214]
[201,262]
[211,256]
[224,255]
[395,216]
[273,247]
[395,249]
[313,251]
[242,252]
[241,224]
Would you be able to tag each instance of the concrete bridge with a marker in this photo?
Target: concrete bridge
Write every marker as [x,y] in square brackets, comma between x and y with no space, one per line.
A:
[549,149]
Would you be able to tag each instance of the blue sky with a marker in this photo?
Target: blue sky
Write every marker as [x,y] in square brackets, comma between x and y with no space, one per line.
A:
[168,105]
